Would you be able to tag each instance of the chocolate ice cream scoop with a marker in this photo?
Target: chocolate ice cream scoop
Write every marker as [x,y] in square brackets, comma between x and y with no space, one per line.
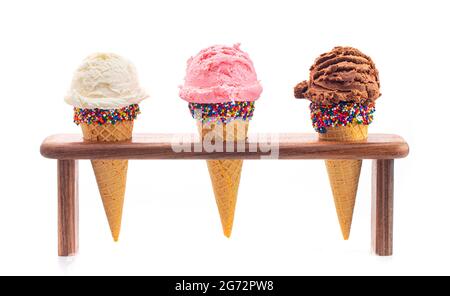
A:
[343,75]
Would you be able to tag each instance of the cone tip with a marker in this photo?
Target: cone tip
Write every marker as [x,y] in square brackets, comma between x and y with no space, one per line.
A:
[346,235]
[116,238]
[227,233]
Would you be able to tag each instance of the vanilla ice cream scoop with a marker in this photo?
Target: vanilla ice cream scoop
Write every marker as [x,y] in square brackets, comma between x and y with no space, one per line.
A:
[105,81]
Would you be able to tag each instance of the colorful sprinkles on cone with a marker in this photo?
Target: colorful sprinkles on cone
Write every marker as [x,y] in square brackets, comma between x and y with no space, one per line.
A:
[222,112]
[341,114]
[101,117]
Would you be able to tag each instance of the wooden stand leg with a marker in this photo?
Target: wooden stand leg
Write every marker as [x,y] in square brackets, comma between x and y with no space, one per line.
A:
[382,207]
[67,207]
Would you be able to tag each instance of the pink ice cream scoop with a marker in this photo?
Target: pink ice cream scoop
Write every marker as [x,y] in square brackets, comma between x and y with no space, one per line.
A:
[220,74]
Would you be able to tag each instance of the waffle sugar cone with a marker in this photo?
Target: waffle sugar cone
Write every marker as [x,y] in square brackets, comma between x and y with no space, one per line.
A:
[225,174]
[111,175]
[344,174]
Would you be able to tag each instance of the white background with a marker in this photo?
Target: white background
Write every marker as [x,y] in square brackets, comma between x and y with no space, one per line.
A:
[285,221]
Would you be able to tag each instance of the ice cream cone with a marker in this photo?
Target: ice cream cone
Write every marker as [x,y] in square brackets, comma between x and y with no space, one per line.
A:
[225,174]
[111,175]
[221,87]
[105,94]
[344,174]
[343,86]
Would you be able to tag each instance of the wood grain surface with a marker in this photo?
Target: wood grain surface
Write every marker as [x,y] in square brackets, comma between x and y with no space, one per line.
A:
[383,207]
[179,146]
[67,207]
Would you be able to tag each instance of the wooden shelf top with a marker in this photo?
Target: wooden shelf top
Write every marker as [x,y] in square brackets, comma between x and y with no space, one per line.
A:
[261,146]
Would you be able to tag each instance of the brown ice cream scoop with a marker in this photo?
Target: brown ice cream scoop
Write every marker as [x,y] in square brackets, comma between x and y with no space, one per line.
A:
[343,74]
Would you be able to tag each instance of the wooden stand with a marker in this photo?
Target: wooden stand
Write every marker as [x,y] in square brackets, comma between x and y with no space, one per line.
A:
[67,207]
[383,149]
[383,207]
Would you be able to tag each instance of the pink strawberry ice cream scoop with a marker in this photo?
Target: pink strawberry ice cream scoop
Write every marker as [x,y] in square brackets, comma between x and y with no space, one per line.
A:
[220,74]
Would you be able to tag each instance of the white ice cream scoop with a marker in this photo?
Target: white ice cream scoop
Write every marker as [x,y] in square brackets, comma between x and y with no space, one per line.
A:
[105,81]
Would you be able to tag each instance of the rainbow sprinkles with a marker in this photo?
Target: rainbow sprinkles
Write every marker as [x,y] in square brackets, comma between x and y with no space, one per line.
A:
[341,114]
[222,112]
[101,117]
